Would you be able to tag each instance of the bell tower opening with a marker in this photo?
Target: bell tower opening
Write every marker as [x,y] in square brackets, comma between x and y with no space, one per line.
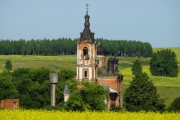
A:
[85,53]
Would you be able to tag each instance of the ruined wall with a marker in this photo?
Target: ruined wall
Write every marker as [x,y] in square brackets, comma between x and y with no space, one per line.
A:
[10,104]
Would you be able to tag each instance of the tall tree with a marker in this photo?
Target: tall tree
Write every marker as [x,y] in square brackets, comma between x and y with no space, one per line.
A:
[142,95]
[136,68]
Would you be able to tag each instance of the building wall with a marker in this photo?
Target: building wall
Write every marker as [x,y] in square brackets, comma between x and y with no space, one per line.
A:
[110,81]
[102,61]
[86,64]
[10,104]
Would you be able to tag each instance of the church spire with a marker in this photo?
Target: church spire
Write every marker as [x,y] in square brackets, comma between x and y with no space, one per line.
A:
[87,35]
[87,5]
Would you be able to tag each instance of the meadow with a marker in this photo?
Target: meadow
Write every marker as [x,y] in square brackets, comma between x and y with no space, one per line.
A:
[87,115]
[167,87]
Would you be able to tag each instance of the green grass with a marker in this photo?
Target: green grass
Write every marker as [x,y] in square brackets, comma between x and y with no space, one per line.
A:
[167,87]
[51,62]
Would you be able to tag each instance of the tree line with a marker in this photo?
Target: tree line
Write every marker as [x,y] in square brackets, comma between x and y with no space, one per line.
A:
[67,46]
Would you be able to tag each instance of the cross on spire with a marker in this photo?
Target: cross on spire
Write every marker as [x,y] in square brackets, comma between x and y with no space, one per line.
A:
[87,5]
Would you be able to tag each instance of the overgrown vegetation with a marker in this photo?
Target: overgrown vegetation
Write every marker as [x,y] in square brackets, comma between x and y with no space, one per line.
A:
[90,96]
[32,87]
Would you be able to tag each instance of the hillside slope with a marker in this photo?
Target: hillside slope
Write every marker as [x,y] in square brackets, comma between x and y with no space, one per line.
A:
[167,87]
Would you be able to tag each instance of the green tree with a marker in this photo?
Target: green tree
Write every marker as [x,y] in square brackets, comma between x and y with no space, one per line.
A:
[142,95]
[8,65]
[93,96]
[7,88]
[89,96]
[136,68]
[33,87]
[164,63]
[175,105]
[75,102]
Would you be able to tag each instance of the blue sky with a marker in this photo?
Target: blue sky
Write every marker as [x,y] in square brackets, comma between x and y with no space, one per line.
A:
[153,21]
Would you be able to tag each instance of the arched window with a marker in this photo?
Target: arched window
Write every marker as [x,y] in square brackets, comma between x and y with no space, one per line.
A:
[85,52]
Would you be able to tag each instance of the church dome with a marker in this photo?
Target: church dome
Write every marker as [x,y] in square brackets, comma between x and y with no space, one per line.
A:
[110,59]
[115,59]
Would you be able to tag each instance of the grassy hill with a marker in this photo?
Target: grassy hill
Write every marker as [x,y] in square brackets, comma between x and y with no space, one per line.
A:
[167,87]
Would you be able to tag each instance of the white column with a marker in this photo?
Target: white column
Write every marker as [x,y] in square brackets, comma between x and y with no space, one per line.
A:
[90,74]
[80,73]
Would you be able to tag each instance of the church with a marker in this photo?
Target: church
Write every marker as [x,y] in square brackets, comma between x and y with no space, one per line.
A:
[93,67]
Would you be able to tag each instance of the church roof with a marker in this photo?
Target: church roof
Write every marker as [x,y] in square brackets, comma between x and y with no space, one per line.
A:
[106,87]
[112,91]
[86,35]
[66,90]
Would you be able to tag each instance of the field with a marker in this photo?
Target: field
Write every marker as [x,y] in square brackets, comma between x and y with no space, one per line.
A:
[167,87]
[59,115]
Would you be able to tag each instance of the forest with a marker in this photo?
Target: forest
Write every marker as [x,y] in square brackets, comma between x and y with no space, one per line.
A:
[67,46]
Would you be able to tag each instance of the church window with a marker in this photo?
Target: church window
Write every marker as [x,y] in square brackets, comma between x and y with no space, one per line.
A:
[97,62]
[85,73]
[85,52]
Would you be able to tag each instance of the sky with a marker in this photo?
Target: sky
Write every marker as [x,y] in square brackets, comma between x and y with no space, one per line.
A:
[153,21]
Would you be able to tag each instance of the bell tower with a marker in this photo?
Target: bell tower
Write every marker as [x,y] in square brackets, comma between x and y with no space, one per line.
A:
[86,53]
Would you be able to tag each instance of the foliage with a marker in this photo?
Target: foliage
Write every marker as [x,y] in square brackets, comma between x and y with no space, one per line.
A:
[142,95]
[7,88]
[33,87]
[91,96]
[136,68]
[66,77]
[86,115]
[164,63]
[67,46]
[75,102]
[175,105]
[8,65]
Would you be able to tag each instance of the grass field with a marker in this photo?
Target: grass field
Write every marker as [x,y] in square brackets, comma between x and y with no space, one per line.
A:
[167,87]
[87,115]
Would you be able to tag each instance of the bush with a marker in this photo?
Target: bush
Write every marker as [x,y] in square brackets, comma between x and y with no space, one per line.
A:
[175,105]
[164,63]
[8,65]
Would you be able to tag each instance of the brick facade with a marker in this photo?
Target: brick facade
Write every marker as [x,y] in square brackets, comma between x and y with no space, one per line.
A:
[10,104]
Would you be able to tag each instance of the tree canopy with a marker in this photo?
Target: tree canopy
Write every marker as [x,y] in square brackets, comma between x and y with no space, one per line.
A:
[136,68]
[164,63]
[67,46]
[142,95]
